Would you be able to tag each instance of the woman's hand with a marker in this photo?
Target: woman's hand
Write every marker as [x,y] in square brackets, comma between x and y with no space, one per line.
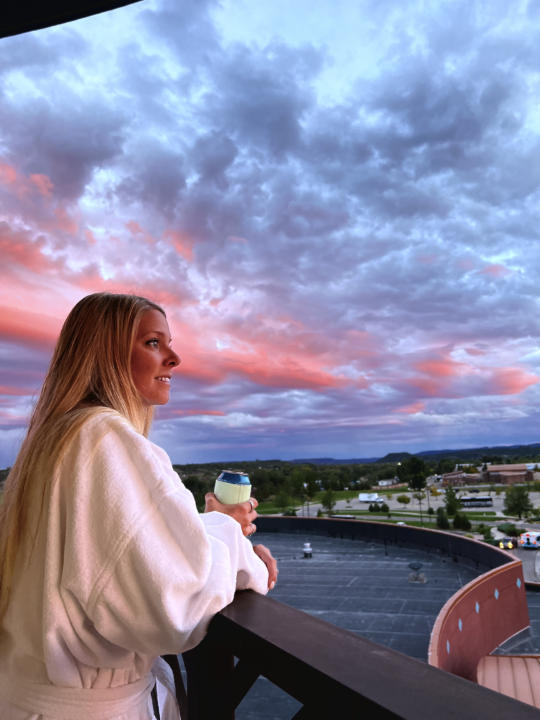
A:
[244,513]
[266,556]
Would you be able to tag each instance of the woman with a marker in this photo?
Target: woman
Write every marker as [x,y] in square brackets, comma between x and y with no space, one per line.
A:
[105,563]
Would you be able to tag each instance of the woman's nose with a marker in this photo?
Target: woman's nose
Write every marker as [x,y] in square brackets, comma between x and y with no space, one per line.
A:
[174,359]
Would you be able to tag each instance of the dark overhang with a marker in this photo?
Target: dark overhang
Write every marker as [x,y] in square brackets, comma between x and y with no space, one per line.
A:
[20,16]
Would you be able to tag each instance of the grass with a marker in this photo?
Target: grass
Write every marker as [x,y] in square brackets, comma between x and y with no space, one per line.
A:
[268,508]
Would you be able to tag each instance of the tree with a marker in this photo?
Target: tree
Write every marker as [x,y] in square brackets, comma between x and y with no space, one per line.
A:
[328,500]
[403,499]
[379,507]
[420,496]
[311,486]
[516,501]
[282,500]
[261,481]
[442,519]
[295,483]
[414,472]
[445,465]
[451,502]
[198,486]
[461,522]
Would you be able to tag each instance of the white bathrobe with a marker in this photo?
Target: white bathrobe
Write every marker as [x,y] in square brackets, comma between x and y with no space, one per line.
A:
[124,570]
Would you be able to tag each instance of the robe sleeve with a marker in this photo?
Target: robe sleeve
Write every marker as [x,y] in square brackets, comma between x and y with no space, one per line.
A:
[151,571]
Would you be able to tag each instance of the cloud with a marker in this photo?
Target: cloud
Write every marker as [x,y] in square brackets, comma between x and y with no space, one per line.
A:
[512,381]
[344,240]
[66,140]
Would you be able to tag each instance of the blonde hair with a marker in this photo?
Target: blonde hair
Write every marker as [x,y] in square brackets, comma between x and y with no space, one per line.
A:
[90,369]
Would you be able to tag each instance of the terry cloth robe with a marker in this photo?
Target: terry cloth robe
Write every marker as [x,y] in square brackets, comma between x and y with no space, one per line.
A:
[124,570]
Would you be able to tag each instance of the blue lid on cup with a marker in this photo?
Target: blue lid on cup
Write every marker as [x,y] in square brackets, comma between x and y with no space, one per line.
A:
[235,478]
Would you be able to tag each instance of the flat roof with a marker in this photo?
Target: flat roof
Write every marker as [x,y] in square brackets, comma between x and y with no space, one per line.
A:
[359,586]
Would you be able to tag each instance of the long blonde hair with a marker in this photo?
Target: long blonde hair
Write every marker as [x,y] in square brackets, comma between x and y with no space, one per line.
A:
[90,369]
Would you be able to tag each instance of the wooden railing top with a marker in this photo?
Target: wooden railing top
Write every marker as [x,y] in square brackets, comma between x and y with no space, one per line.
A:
[327,669]
[323,666]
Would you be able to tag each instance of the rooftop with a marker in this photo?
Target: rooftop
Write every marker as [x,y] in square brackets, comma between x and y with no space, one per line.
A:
[362,587]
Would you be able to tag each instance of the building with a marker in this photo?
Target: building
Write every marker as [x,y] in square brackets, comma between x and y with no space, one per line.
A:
[459,478]
[508,474]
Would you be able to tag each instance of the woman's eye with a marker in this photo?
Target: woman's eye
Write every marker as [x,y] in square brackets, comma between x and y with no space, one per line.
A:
[154,342]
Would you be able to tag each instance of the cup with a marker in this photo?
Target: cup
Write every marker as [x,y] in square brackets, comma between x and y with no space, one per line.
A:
[232,487]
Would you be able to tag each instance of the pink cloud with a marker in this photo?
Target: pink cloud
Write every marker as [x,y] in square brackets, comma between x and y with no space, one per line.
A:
[427,386]
[43,184]
[443,368]
[263,361]
[89,235]
[12,390]
[8,174]
[282,371]
[440,374]
[512,381]
[22,185]
[89,280]
[63,221]
[197,412]
[16,248]
[411,409]
[496,270]
[32,328]
[182,243]
[135,229]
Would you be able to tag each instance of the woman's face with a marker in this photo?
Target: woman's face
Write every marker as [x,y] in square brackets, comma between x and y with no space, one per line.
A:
[152,359]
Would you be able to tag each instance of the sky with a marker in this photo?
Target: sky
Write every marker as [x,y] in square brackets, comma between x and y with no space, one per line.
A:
[335,201]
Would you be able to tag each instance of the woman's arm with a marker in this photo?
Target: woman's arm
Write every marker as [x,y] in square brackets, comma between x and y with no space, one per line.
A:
[244,513]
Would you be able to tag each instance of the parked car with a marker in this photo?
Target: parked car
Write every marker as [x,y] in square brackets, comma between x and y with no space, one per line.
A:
[529,539]
[370,498]
[507,543]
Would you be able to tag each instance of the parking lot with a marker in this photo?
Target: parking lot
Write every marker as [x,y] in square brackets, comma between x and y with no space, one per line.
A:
[429,501]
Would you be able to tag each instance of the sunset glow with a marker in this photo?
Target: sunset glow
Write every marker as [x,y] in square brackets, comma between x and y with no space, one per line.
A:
[344,240]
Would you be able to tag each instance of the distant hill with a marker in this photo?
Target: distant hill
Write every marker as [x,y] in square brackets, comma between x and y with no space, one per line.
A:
[488,453]
[491,453]
[396,457]
[485,453]
[333,461]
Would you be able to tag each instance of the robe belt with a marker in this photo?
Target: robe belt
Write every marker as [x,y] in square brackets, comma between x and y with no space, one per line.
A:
[66,703]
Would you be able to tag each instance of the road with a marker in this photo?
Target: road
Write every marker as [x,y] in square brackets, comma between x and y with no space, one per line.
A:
[394,505]
[531,565]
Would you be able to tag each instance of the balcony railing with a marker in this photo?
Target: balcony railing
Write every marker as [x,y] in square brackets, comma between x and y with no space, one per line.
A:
[331,671]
